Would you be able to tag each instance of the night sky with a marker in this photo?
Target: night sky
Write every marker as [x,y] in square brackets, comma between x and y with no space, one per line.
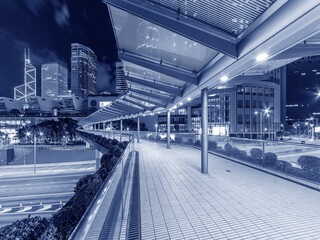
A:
[48,27]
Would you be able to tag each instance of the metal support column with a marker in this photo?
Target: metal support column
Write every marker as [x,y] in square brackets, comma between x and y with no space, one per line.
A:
[120,130]
[189,119]
[204,131]
[138,130]
[168,129]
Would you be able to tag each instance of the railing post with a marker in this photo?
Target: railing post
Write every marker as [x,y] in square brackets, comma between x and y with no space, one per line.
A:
[204,132]
[138,130]
[263,153]
[168,129]
[120,130]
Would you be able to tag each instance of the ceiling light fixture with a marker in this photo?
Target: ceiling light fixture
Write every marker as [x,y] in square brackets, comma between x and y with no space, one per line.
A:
[261,57]
[224,78]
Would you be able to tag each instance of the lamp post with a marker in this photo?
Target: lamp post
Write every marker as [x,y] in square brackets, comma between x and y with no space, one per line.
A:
[156,129]
[261,112]
[34,152]
[256,113]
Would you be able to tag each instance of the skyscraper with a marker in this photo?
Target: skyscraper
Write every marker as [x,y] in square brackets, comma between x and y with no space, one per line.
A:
[29,88]
[54,80]
[83,70]
[121,83]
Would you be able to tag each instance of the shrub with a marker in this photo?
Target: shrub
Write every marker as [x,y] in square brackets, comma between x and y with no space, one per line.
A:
[158,138]
[114,142]
[256,153]
[103,173]
[178,139]
[190,141]
[212,145]
[220,150]
[198,143]
[66,219]
[235,152]
[283,166]
[228,147]
[151,137]
[305,174]
[106,142]
[84,181]
[107,161]
[310,163]
[270,159]
[123,145]
[243,155]
[117,152]
[27,228]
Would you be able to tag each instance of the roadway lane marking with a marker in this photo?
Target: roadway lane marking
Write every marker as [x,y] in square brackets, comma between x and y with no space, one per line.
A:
[46,208]
[25,209]
[42,177]
[6,210]
[37,195]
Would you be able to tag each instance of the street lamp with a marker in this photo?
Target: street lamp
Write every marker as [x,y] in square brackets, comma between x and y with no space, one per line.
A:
[261,112]
[28,135]
[34,151]
[156,129]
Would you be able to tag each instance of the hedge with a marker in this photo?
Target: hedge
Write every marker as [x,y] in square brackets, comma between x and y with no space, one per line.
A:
[66,219]
[309,163]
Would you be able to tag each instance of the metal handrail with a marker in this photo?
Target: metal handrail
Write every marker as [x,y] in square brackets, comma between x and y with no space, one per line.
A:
[81,230]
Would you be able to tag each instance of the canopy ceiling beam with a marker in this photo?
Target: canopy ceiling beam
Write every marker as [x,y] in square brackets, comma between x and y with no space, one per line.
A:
[190,28]
[156,103]
[172,71]
[152,95]
[137,104]
[157,86]
[127,108]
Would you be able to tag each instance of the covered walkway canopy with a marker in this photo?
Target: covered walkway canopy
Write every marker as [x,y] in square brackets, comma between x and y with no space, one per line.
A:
[172,49]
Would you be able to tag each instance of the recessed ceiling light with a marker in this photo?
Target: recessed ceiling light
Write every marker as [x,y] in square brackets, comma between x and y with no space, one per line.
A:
[261,57]
[180,103]
[224,78]
[189,98]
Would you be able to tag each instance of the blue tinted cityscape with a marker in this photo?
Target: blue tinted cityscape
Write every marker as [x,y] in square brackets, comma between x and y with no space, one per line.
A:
[159,119]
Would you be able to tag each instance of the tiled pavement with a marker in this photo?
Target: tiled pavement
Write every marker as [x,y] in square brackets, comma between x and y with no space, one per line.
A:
[231,202]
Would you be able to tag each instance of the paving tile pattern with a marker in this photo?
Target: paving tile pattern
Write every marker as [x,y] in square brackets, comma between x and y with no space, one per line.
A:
[231,202]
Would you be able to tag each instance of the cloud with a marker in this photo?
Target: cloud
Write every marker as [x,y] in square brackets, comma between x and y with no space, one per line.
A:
[105,77]
[35,6]
[61,11]
[62,15]
[45,55]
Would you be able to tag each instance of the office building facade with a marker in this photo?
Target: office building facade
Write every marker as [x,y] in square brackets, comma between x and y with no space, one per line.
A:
[54,80]
[121,83]
[303,78]
[243,107]
[83,70]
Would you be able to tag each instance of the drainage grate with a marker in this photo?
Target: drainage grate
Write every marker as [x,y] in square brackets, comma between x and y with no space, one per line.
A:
[134,221]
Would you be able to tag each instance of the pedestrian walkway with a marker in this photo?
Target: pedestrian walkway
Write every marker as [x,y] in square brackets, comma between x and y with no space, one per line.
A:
[231,202]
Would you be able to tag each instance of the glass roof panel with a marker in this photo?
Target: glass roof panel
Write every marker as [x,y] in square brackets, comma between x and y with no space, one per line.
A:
[141,37]
[148,89]
[141,72]
[231,16]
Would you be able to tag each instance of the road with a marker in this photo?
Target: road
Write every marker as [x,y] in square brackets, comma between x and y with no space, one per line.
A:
[23,193]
